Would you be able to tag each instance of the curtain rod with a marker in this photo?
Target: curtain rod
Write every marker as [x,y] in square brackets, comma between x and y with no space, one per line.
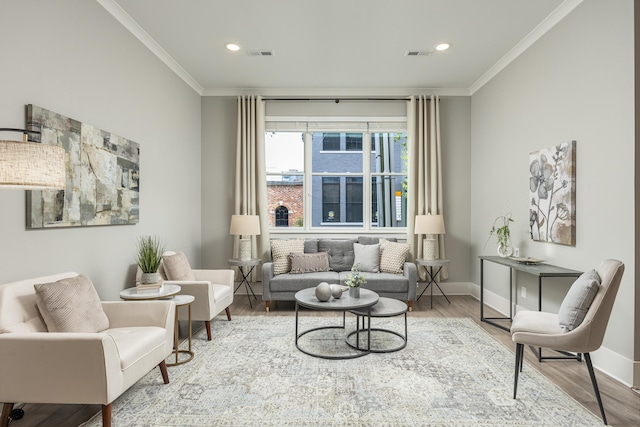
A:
[336,100]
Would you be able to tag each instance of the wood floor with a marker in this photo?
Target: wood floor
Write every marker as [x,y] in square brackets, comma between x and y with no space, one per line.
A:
[622,405]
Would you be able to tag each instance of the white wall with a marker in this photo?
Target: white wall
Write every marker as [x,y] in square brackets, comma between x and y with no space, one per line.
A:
[72,57]
[575,83]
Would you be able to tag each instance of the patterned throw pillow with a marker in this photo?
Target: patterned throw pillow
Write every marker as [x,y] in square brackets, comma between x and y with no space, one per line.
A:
[71,305]
[309,263]
[280,251]
[177,267]
[392,256]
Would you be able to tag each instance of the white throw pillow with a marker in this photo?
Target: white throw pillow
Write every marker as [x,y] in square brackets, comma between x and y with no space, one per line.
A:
[280,251]
[71,305]
[367,257]
[392,256]
[576,303]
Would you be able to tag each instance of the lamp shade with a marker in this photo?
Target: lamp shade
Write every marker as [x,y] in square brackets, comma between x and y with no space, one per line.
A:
[245,225]
[429,224]
[31,166]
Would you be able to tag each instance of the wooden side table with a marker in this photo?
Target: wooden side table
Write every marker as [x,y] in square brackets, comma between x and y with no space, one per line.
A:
[242,264]
[429,265]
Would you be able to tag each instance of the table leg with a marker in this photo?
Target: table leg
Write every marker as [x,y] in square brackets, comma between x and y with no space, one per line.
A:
[247,285]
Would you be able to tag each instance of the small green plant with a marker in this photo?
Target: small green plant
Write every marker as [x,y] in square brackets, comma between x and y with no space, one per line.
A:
[149,254]
[355,279]
[500,229]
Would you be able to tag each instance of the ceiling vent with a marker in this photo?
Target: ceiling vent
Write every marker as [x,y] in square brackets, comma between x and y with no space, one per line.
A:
[418,53]
[260,52]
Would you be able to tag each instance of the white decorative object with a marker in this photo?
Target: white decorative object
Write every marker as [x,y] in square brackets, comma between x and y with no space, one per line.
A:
[323,292]
[429,248]
[244,249]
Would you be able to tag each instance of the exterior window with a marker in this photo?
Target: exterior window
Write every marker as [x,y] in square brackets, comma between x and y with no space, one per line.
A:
[331,199]
[336,179]
[331,142]
[282,216]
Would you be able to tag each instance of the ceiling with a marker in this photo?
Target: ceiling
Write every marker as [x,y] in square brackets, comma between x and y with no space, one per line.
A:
[333,47]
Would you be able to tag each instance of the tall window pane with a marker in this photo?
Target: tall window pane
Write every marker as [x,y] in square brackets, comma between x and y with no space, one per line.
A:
[331,199]
[389,205]
[284,155]
[354,199]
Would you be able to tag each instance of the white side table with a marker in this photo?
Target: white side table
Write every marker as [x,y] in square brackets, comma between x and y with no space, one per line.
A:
[429,265]
[242,264]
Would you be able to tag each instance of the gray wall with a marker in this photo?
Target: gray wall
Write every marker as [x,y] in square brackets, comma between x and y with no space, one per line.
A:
[72,57]
[575,83]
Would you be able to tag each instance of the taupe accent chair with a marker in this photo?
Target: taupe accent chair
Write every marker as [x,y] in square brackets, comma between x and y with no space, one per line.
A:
[542,329]
[38,366]
[212,289]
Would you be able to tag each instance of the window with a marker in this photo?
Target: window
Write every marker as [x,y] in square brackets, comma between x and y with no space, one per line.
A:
[282,216]
[327,178]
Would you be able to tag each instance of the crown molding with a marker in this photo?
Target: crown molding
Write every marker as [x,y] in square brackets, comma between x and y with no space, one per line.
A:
[541,29]
[130,24]
[341,92]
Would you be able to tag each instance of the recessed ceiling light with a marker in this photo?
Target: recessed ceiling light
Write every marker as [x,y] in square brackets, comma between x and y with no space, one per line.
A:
[442,46]
[232,47]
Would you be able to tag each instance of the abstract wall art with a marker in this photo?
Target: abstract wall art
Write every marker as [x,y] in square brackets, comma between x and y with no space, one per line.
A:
[552,192]
[103,172]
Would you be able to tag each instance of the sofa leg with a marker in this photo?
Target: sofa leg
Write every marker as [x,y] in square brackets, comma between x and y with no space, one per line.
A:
[163,370]
[267,304]
[7,408]
[106,415]
[228,314]
[207,325]
[410,304]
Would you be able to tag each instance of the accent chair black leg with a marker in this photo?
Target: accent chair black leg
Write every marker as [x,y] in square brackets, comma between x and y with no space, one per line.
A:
[592,374]
[519,353]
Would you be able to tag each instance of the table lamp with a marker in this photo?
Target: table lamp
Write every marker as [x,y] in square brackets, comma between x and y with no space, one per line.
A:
[244,225]
[430,225]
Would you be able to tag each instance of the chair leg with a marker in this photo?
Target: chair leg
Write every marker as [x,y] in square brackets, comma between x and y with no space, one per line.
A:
[592,374]
[228,314]
[519,354]
[267,304]
[163,370]
[207,325]
[410,304]
[106,415]
[6,413]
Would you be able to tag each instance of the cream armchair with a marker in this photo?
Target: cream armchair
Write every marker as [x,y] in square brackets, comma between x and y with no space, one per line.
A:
[212,289]
[37,366]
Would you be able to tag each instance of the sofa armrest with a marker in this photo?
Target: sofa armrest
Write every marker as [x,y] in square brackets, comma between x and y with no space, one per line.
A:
[34,365]
[267,275]
[410,271]
[123,314]
[219,277]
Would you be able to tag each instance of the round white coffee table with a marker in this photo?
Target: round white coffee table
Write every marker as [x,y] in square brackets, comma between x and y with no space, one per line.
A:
[164,292]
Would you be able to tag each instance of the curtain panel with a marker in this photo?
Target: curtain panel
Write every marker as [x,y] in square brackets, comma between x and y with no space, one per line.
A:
[424,172]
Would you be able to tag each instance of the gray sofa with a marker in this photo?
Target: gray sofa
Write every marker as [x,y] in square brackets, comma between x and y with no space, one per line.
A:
[283,287]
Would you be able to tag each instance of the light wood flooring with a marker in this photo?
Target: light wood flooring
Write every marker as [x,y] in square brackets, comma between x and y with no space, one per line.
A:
[622,404]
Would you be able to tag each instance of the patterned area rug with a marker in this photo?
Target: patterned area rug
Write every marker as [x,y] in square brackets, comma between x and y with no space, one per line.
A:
[451,373]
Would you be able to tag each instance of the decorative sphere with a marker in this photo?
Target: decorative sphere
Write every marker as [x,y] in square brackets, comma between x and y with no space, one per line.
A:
[336,291]
[323,292]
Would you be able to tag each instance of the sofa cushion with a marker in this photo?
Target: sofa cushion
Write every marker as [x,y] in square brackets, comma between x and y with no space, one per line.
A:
[310,246]
[296,282]
[135,343]
[340,251]
[280,251]
[308,263]
[382,283]
[578,300]
[177,267]
[369,240]
[367,257]
[71,305]
[393,256]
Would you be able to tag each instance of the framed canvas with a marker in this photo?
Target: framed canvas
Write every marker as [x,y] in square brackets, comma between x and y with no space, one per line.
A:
[103,172]
[552,191]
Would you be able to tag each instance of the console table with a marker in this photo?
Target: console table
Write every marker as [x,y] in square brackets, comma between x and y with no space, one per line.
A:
[541,271]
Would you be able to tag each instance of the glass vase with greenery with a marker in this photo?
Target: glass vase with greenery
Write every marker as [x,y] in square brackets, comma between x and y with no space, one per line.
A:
[500,229]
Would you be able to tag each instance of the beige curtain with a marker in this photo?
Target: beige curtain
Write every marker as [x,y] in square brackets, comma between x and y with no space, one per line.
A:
[424,172]
[251,184]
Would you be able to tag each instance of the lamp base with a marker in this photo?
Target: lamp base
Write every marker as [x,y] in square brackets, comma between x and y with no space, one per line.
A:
[244,249]
[429,249]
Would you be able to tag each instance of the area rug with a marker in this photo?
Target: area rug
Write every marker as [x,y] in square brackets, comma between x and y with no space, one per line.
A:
[451,373]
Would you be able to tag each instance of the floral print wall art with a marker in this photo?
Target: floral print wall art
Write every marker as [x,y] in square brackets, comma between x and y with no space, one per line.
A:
[552,192]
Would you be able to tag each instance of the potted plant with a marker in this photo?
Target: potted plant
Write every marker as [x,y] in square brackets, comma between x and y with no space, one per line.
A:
[148,258]
[354,281]
[500,229]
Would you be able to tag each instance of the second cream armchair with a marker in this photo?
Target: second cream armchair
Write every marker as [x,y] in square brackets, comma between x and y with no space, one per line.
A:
[212,289]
